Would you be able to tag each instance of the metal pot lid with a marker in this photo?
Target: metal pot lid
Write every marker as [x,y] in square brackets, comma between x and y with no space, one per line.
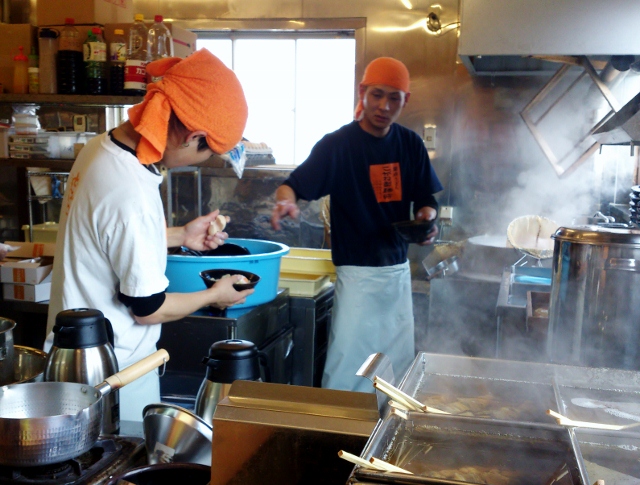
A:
[591,234]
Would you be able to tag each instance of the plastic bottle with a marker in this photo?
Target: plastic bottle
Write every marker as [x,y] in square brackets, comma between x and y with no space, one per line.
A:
[48,49]
[159,41]
[95,59]
[33,57]
[20,72]
[70,63]
[135,73]
[117,57]
[34,80]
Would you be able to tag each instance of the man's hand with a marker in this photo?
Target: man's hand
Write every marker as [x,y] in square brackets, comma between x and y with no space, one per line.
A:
[195,234]
[428,214]
[224,294]
[285,206]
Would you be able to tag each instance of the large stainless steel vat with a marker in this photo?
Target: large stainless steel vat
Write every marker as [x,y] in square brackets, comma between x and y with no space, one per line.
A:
[594,314]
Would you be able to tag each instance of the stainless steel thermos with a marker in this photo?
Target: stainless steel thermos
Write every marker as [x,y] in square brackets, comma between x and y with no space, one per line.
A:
[83,352]
[228,361]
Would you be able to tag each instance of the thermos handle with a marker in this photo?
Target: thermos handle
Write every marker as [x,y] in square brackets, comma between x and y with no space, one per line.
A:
[209,362]
[110,336]
[264,362]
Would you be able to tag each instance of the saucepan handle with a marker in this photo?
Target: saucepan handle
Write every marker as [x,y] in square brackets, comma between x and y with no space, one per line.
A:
[134,371]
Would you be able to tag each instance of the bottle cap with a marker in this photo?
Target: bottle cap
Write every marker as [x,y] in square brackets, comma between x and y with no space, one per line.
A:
[138,16]
[48,33]
[96,30]
[118,32]
[69,20]
[157,18]
[20,56]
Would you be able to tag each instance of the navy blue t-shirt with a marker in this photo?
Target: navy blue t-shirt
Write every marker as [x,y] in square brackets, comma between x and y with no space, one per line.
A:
[372,182]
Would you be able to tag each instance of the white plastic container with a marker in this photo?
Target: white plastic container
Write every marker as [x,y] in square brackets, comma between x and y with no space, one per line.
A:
[62,143]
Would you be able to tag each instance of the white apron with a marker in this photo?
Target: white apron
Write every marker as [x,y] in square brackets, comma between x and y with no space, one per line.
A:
[136,395]
[372,312]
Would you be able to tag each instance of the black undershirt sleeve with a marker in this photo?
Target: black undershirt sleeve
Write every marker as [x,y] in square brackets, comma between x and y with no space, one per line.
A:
[429,201]
[142,306]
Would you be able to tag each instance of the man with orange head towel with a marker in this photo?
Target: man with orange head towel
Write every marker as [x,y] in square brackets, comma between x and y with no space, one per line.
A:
[111,251]
[375,171]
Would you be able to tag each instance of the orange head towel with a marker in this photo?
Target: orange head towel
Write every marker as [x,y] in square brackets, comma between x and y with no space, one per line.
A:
[387,71]
[202,92]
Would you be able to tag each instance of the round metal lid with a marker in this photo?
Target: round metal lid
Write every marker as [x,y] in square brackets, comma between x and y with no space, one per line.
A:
[592,234]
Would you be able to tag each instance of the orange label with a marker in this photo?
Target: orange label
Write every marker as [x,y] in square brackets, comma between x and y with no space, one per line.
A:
[386,182]
[18,275]
[38,249]
[18,292]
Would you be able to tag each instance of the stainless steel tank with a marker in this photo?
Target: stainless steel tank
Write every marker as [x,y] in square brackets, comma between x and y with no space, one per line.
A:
[594,313]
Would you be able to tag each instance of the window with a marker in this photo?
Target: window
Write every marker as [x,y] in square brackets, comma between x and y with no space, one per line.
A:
[298,87]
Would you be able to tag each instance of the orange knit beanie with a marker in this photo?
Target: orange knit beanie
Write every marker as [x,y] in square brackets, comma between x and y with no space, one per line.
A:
[387,71]
[202,92]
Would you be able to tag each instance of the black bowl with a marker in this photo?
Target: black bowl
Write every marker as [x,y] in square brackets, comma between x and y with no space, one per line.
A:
[228,249]
[210,276]
[414,231]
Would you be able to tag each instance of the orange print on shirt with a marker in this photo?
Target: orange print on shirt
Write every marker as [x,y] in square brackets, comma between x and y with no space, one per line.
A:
[386,182]
[72,186]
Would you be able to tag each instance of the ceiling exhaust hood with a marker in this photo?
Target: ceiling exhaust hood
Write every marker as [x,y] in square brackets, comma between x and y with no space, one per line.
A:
[623,127]
[526,37]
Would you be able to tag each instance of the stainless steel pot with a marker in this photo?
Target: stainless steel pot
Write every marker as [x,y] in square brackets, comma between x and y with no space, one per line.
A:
[594,312]
[7,353]
[28,365]
[50,422]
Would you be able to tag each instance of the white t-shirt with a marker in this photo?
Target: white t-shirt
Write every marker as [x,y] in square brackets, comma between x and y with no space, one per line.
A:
[112,237]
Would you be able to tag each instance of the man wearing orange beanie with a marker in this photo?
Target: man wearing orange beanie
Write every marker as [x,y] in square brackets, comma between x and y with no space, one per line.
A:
[375,171]
[111,251]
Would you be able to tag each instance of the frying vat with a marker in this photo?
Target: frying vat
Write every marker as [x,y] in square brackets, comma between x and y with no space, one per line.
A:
[50,422]
[438,449]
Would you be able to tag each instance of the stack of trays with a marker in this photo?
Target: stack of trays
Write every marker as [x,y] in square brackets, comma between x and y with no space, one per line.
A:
[634,204]
[29,146]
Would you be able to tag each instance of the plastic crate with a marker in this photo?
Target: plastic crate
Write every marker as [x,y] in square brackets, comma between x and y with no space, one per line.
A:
[309,262]
[303,284]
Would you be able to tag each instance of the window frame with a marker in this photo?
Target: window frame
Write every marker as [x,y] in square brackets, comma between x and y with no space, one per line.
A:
[234,29]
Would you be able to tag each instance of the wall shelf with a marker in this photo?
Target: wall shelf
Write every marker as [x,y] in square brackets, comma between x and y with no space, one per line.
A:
[50,163]
[75,99]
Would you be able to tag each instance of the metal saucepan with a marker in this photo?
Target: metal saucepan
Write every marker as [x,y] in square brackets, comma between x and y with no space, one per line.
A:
[50,422]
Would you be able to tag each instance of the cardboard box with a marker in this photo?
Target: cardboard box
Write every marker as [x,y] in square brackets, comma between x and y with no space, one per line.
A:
[31,250]
[36,293]
[184,41]
[13,36]
[53,12]
[29,273]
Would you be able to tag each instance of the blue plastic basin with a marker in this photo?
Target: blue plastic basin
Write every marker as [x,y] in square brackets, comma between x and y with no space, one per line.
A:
[264,259]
